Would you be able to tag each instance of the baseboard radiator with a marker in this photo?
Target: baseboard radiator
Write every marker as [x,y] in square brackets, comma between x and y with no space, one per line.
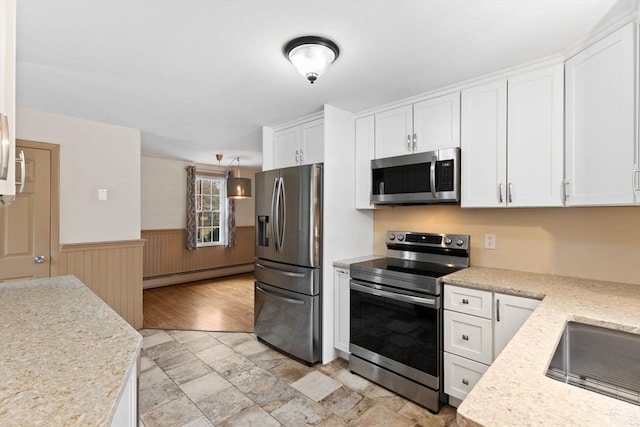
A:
[167,261]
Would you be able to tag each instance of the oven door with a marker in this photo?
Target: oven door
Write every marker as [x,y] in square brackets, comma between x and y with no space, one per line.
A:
[398,330]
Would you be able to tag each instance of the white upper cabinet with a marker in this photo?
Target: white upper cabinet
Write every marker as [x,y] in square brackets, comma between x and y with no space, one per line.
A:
[429,125]
[601,118]
[535,149]
[513,156]
[299,145]
[484,145]
[7,100]
[393,132]
[365,129]
[286,145]
[436,123]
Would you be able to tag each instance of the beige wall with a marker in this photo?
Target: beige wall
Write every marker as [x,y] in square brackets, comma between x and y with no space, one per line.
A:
[598,243]
[93,155]
[164,194]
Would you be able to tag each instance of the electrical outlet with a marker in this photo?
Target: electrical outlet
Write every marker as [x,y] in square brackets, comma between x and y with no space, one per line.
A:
[489,241]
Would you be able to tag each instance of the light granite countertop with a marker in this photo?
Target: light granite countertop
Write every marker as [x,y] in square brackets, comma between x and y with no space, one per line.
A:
[514,390]
[65,354]
[346,263]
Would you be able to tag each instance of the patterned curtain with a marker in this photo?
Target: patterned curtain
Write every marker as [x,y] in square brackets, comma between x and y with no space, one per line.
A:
[192,226]
[231,218]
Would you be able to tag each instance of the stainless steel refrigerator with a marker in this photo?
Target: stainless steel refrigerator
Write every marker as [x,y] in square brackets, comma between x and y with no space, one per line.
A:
[288,267]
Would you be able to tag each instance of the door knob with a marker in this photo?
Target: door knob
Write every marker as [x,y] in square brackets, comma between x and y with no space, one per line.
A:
[40,259]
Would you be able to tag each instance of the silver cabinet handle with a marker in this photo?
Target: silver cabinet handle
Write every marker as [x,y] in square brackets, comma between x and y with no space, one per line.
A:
[432,177]
[465,381]
[465,301]
[509,193]
[408,142]
[566,191]
[40,259]
[23,171]
[636,178]
[465,337]
[301,156]
[4,147]
[415,142]
[500,193]
[497,310]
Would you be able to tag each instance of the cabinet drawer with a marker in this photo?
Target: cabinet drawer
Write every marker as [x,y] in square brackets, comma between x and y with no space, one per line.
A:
[469,301]
[468,336]
[461,375]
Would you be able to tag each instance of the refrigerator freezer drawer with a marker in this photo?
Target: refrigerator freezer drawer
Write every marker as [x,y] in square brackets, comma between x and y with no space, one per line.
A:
[303,280]
[288,321]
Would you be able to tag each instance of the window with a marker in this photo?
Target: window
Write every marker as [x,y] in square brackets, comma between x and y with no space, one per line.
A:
[210,210]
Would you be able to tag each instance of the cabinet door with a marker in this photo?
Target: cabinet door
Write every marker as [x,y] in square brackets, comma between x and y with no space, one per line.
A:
[312,142]
[7,95]
[394,131]
[341,313]
[286,143]
[535,162]
[365,130]
[436,123]
[468,336]
[484,145]
[600,121]
[511,313]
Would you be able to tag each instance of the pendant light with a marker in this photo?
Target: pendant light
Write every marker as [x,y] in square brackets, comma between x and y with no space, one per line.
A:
[238,188]
[311,55]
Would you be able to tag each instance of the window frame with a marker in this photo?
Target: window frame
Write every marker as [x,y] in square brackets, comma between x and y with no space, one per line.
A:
[222,209]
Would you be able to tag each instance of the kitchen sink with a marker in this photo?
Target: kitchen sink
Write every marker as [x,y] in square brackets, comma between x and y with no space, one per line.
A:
[598,359]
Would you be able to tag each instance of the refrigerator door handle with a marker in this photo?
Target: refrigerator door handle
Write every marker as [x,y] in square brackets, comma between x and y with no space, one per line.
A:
[284,273]
[274,226]
[283,218]
[272,295]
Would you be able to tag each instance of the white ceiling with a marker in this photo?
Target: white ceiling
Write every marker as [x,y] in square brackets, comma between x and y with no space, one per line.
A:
[202,77]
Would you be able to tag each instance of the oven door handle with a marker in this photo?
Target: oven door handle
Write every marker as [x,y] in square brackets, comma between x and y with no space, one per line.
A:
[423,301]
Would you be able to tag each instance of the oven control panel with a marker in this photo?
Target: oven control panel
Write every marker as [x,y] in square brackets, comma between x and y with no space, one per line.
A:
[456,241]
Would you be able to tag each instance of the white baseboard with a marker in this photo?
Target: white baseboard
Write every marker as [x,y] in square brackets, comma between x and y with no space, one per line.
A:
[192,276]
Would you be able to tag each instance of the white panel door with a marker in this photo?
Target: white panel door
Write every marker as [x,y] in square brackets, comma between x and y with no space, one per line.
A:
[393,132]
[286,143]
[312,142]
[365,146]
[600,121]
[535,159]
[511,313]
[484,145]
[436,123]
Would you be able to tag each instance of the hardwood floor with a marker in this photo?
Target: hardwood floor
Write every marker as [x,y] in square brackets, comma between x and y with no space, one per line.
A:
[222,305]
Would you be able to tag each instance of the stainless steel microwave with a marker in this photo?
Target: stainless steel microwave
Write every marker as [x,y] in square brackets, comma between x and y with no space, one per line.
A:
[421,178]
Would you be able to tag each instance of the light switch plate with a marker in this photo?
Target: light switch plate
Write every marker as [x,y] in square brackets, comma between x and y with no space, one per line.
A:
[489,241]
[102,194]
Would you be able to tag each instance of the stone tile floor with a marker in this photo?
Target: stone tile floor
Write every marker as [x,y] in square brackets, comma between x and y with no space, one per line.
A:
[194,378]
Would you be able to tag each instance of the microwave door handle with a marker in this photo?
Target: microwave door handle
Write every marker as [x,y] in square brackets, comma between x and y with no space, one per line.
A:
[432,180]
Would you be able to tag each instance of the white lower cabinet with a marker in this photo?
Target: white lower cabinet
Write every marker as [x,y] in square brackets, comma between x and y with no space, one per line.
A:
[477,326]
[461,375]
[341,309]
[468,336]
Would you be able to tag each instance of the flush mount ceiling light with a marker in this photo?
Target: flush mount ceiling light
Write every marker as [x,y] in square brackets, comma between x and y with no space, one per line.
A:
[311,55]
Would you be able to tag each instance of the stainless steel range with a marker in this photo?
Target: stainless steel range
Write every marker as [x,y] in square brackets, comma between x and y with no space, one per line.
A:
[396,313]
